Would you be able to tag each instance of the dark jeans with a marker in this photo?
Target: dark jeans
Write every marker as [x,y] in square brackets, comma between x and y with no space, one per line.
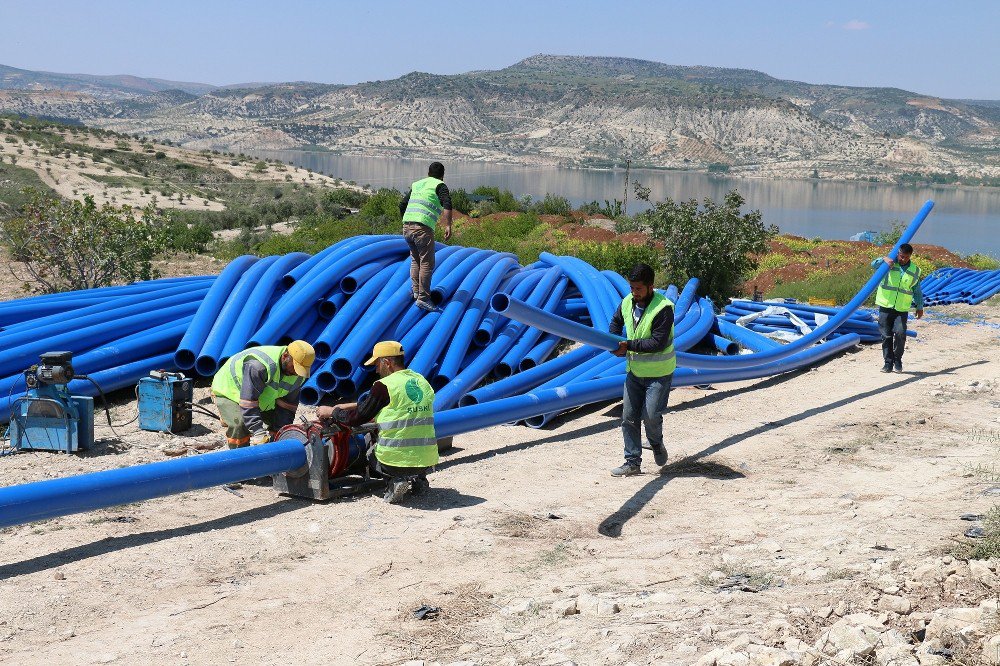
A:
[892,326]
[391,471]
[644,400]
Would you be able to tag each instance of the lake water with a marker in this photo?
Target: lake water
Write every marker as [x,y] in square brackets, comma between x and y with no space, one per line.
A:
[964,220]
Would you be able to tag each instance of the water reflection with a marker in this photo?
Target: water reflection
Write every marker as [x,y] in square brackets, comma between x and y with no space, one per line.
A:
[964,220]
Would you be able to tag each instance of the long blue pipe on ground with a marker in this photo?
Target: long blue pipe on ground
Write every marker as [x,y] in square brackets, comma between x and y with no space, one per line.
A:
[60,497]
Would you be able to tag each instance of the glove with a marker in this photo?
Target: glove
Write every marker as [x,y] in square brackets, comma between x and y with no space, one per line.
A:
[259,438]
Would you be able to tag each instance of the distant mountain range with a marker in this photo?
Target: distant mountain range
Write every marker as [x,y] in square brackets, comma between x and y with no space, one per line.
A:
[582,111]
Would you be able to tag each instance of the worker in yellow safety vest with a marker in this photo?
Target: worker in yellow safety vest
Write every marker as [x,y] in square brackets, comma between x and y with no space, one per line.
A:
[422,206]
[647,318]
[257,390]
[898,291]
[401,403]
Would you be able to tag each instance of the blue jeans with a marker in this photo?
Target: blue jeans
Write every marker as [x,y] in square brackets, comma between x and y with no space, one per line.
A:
[645,398]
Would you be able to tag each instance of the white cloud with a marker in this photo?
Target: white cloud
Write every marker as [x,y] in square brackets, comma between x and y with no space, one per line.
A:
[856,25]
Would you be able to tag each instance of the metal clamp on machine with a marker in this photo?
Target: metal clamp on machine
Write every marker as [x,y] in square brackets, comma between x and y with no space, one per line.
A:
[333,452]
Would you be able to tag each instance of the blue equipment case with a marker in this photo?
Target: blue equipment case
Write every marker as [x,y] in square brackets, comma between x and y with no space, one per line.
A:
[165,402]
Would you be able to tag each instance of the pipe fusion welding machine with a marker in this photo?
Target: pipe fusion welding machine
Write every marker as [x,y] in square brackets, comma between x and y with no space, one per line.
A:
[47,417]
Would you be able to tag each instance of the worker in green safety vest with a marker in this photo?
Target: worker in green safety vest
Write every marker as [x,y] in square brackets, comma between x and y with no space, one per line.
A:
[257,390]
[647,318]
[898,291]
[402,405]
[422,206]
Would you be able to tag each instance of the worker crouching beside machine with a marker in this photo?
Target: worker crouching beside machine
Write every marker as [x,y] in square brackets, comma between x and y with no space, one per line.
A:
[401,403]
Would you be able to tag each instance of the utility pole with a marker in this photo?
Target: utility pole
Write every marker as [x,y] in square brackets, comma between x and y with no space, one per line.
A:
[628,165]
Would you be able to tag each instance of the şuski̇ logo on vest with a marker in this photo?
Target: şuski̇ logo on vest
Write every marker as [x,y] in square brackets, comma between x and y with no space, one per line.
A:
[413,391]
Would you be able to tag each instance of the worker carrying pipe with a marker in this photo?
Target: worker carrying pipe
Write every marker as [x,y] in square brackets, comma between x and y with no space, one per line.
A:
[402,405]
[422,206]
[898,291]
[257,391]
[647,318]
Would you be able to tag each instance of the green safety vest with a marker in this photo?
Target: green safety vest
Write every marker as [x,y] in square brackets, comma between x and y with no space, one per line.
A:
[229,379]
[406,425]
[424,207]
[896,289]
[653,364]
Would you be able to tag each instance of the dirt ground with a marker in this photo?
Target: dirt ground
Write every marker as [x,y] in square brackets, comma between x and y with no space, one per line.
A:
[783,501]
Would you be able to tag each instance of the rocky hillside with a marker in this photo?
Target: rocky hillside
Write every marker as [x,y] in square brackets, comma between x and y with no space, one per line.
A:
[569,110]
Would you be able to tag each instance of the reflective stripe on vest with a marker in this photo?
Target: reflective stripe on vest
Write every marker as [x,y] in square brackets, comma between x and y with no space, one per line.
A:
[424,207]
[406,425]
[896,290]
[652,364]
[228,382]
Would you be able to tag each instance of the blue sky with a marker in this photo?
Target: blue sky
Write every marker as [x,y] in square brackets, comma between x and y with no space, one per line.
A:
[949,49]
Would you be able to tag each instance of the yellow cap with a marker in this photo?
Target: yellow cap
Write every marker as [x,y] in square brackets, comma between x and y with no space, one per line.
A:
[383,349]
[303,355]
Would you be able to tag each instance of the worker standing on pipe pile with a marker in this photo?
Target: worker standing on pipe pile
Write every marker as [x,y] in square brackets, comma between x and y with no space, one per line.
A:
[402,405]
[257,391]
[897,292]
[422,207]
[648,320]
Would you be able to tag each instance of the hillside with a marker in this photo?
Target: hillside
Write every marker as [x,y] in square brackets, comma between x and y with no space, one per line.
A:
[578,111]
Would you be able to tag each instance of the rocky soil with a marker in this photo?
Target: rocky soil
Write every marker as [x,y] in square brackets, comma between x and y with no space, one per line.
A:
[805,519]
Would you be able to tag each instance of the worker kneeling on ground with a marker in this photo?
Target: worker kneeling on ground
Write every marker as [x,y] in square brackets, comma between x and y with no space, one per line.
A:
[402,405]
[257,391]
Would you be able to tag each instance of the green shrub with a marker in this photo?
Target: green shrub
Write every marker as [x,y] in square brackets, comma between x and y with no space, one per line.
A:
[841,287]
[611,255]
[983,262]
[67,245]
[193,239]
[718,244]
[552,204]
[987,547]
[383,207]
[503,201]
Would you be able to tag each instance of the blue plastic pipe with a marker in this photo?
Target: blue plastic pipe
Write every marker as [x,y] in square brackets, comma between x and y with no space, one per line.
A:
[60,497]
[208,312]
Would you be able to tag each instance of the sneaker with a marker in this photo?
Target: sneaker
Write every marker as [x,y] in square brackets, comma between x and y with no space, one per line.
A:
[395,491]
[887,368]
[898,366]
[427,306]
[626,469]
[419,485]
[660,455]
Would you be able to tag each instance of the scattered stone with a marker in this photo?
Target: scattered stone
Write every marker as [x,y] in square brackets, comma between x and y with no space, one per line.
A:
[895,604]
[521,607]
[174,450]
[896,655]
[991,650]
[59,575]
[707,631]
[985,572]
[466,648]
[564,607]
[824,612]
[854,636]
[605,607]
[948,622]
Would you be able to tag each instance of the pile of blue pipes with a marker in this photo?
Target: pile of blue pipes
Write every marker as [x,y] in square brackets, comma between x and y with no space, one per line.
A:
[779,322]
[488,350]
[947,286]
[345,299]
[117,334]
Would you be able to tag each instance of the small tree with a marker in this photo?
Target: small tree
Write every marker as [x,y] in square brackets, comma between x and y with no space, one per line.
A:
[716,244]
[68,245]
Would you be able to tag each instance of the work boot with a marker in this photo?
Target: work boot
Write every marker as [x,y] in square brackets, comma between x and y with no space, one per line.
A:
[395,491]
[427,306]
[419,485]
[660,455]
[898,366]
[626,469]
[887,367]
